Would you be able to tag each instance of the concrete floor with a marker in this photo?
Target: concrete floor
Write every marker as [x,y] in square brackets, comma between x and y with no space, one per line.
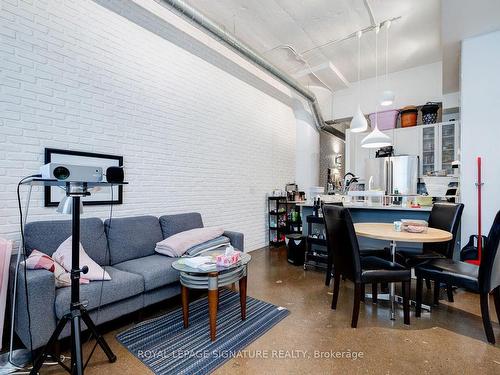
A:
[450,340]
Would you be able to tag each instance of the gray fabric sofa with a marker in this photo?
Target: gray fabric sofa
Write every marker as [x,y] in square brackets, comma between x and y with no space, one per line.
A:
[125,246]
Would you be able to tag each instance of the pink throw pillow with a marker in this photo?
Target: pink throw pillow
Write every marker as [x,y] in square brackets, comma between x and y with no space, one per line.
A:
[63,256]
[38,260]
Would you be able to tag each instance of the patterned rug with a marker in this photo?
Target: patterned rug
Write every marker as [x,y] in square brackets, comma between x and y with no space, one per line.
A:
[166,347]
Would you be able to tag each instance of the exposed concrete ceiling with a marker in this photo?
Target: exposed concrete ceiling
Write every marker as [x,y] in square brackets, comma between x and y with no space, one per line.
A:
[464,19]
[265,25]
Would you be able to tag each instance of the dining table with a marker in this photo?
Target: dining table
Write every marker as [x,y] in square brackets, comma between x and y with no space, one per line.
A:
[387,232]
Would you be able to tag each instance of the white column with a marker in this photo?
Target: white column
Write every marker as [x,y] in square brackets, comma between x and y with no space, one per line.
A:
[307,155]
[480,103]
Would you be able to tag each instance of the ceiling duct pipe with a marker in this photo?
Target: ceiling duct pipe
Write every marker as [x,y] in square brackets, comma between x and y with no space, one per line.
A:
[193,15]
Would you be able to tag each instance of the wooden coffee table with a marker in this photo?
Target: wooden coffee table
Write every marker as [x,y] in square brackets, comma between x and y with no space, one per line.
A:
[211,280]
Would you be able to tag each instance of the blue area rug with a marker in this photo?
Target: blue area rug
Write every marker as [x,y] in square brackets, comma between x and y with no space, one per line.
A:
[166,347]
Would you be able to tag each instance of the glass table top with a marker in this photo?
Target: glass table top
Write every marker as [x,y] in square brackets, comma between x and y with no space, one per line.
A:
[180,266]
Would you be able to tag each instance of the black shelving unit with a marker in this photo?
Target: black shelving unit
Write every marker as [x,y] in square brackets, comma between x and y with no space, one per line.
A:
[279,220]
[316,251]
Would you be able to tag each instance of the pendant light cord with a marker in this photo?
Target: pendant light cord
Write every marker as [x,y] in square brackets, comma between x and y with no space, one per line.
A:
[387,25]
[359,65]
[377,29]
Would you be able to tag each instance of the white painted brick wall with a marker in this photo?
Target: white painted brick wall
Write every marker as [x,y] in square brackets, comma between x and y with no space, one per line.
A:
[75,75]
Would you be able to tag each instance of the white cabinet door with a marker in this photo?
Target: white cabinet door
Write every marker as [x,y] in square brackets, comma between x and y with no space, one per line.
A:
[448,145]
[429,156]
[407,141]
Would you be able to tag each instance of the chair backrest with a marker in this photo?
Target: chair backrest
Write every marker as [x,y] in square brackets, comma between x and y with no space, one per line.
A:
[342,241]
[489,269]
[445,216]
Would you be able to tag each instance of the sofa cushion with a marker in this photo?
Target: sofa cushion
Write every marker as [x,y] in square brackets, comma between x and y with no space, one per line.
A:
[46,236]
[132,237]
[121,286]
[173,224]
[156,270]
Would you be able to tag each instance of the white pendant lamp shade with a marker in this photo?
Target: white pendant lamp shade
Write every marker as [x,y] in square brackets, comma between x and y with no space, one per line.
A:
[387,98]
[376,139]
[358,122]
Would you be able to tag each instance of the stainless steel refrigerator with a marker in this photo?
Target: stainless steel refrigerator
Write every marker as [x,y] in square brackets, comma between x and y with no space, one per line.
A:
[393,173]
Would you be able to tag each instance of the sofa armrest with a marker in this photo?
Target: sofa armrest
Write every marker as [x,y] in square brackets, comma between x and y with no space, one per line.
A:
[236,239]
[41,299]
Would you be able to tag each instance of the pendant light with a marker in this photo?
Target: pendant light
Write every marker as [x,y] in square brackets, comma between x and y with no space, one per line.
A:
[376,138]
[358,122]
[387,95]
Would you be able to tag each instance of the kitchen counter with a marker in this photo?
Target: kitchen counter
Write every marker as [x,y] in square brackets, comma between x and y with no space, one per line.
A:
[362,213]
[362,206]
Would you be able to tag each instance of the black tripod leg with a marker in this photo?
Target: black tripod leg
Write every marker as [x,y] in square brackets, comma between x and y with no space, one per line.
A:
[53,339]
[76,346]
[100,340]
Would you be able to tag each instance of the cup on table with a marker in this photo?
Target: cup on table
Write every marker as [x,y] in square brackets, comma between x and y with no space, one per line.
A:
[398,225]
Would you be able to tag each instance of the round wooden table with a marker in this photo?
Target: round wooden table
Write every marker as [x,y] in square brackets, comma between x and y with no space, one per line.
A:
[385,231]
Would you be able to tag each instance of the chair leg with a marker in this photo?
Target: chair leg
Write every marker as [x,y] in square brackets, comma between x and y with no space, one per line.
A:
[374,293]
[355,309]
[428,284]
[363,292]
[449,291]
[329,267]
[496,298]
[418,302]
[485,313]
[437,285]
[336,284]
[406,301]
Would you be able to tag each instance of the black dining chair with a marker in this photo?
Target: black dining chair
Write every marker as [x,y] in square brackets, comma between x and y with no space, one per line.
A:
[484,279]
[347,262]
[329,259]
[445,216]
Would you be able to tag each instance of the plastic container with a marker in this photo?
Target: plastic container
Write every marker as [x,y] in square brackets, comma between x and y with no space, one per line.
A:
[409,116]
[414,226]
[386,119]
[429,113]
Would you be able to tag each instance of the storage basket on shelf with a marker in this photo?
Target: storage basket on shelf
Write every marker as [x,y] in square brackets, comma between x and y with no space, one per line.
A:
[430,113]
[386,119]
[409,116]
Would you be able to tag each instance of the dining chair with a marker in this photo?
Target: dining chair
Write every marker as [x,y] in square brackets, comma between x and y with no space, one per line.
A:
[484,279]
[342,243]
[329,261]
[445,216]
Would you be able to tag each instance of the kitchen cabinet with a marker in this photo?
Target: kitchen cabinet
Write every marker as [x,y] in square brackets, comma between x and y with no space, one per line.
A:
[407,141]
[437,146]
[429,147]
[440,146]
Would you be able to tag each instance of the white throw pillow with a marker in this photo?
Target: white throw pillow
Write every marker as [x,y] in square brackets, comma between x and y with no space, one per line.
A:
[63,256]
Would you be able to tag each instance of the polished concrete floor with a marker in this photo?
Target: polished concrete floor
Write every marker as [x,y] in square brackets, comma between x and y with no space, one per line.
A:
[314,338]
